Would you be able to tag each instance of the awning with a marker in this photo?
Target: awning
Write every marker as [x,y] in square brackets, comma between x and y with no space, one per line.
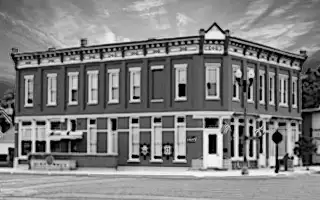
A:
[65,135]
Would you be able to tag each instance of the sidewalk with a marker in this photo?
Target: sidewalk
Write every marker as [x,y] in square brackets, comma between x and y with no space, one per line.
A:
[162,173]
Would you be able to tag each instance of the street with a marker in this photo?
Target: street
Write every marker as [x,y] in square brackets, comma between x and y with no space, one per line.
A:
[38,187]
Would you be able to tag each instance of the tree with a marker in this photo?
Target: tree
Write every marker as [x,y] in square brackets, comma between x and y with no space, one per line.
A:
[304,148]
[7,102]
[311,89]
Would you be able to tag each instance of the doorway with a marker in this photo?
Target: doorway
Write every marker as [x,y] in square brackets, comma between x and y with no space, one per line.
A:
[213,149]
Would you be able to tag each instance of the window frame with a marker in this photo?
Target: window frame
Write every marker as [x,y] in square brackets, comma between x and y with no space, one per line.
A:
[132,72]
[214,66]
[262,88]
[50,78]
[176,146]
[283,84]
[153,139]
[111,85]
[178,67]
[272,76]
[153,68]
[294,92]
[235,82]
[250,88]
[72,75]
[28,78]
[133,125]
[91,74]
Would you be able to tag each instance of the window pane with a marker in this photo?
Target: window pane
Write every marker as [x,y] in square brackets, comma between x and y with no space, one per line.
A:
[240,147]
[74,95]
[182,76]
[115,82]
[94,94]
[212,89]
[94,81]
[136,92]
[74,82]
[251,141]
[158,141]
[135,141]
[182,90]
[136,78]
[115,93]
[212,144]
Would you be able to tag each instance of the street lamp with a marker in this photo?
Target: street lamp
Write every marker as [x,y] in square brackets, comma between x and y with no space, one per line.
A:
[244,82]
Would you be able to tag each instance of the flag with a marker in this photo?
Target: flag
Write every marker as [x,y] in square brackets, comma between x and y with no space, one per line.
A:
[5,115]
[259,131]
[225,128]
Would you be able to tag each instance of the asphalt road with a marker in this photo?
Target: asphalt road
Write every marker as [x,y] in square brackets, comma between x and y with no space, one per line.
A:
[38,187]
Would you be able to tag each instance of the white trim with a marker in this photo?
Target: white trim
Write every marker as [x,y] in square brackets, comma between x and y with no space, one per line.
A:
[155,67]
[262,84]
[235,82]
[176,150]
[195,114]
[156,100]
[112,72]
[50,89]
[135,71]
[131,126]
[91,75]
[282,80]
[71,76]
[212,66]
[48,141]
[251,88]
[294,91]
[153,139]
[89,134]
[183,67]
[272,76]
[26,89]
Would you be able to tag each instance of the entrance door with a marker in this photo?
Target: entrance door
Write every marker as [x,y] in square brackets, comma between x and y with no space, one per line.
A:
[213,150]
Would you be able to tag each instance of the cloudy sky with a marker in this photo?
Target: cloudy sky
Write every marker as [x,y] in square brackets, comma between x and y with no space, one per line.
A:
[34,25]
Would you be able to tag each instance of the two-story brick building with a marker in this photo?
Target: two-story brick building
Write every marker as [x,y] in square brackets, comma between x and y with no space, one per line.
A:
[158,102]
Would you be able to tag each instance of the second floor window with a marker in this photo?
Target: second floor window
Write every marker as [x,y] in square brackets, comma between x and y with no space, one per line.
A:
[212,80]
[52,89]
[135,82]
[294,92]
[181,82]
[283,90]
[236,91]
[73,88]
[113,75]
[250,90]
[262,87]
[28,93]
[271,88]
[92,87]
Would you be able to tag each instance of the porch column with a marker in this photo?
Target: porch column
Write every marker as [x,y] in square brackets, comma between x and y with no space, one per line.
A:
[19,138]
[236,138]
[33,136]
[48,142]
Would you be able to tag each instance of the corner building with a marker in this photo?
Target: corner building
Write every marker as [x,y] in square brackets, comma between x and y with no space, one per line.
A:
[158,102]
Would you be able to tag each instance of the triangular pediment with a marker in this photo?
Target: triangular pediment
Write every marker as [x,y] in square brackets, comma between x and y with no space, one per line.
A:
[215,32]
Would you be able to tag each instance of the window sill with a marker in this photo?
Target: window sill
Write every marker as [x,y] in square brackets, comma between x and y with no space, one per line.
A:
[179,161]
[212,98]
[133,160]
[156,161]
[92,103]
[295,107]
[134,101]
[250,101]
[271,104]
[156,100]
[236,99]
[113,102]
[72,103]
[51,104]
[180,99]
[262,103]
[283,105]
[28,105]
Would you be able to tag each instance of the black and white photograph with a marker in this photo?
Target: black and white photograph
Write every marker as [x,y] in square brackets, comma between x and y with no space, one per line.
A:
[159,99]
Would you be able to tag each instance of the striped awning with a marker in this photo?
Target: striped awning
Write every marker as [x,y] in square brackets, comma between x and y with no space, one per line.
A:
[65,135]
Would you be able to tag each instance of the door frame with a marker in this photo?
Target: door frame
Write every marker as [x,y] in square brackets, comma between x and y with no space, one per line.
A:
[206,133]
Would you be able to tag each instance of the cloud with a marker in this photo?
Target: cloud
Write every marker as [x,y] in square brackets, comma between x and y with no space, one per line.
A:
[284,9]
[182,21]
[144,5]
[254,11]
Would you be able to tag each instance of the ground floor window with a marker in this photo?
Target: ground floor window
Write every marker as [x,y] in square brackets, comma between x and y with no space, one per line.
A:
[156,138]
[26,147]
[180,139]
[40,146]
[135,139]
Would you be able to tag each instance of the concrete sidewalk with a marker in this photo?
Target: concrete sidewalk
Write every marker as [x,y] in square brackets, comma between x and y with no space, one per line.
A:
[162,172]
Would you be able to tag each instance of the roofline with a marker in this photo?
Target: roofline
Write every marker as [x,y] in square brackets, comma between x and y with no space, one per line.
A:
[111,45]
[258,45]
